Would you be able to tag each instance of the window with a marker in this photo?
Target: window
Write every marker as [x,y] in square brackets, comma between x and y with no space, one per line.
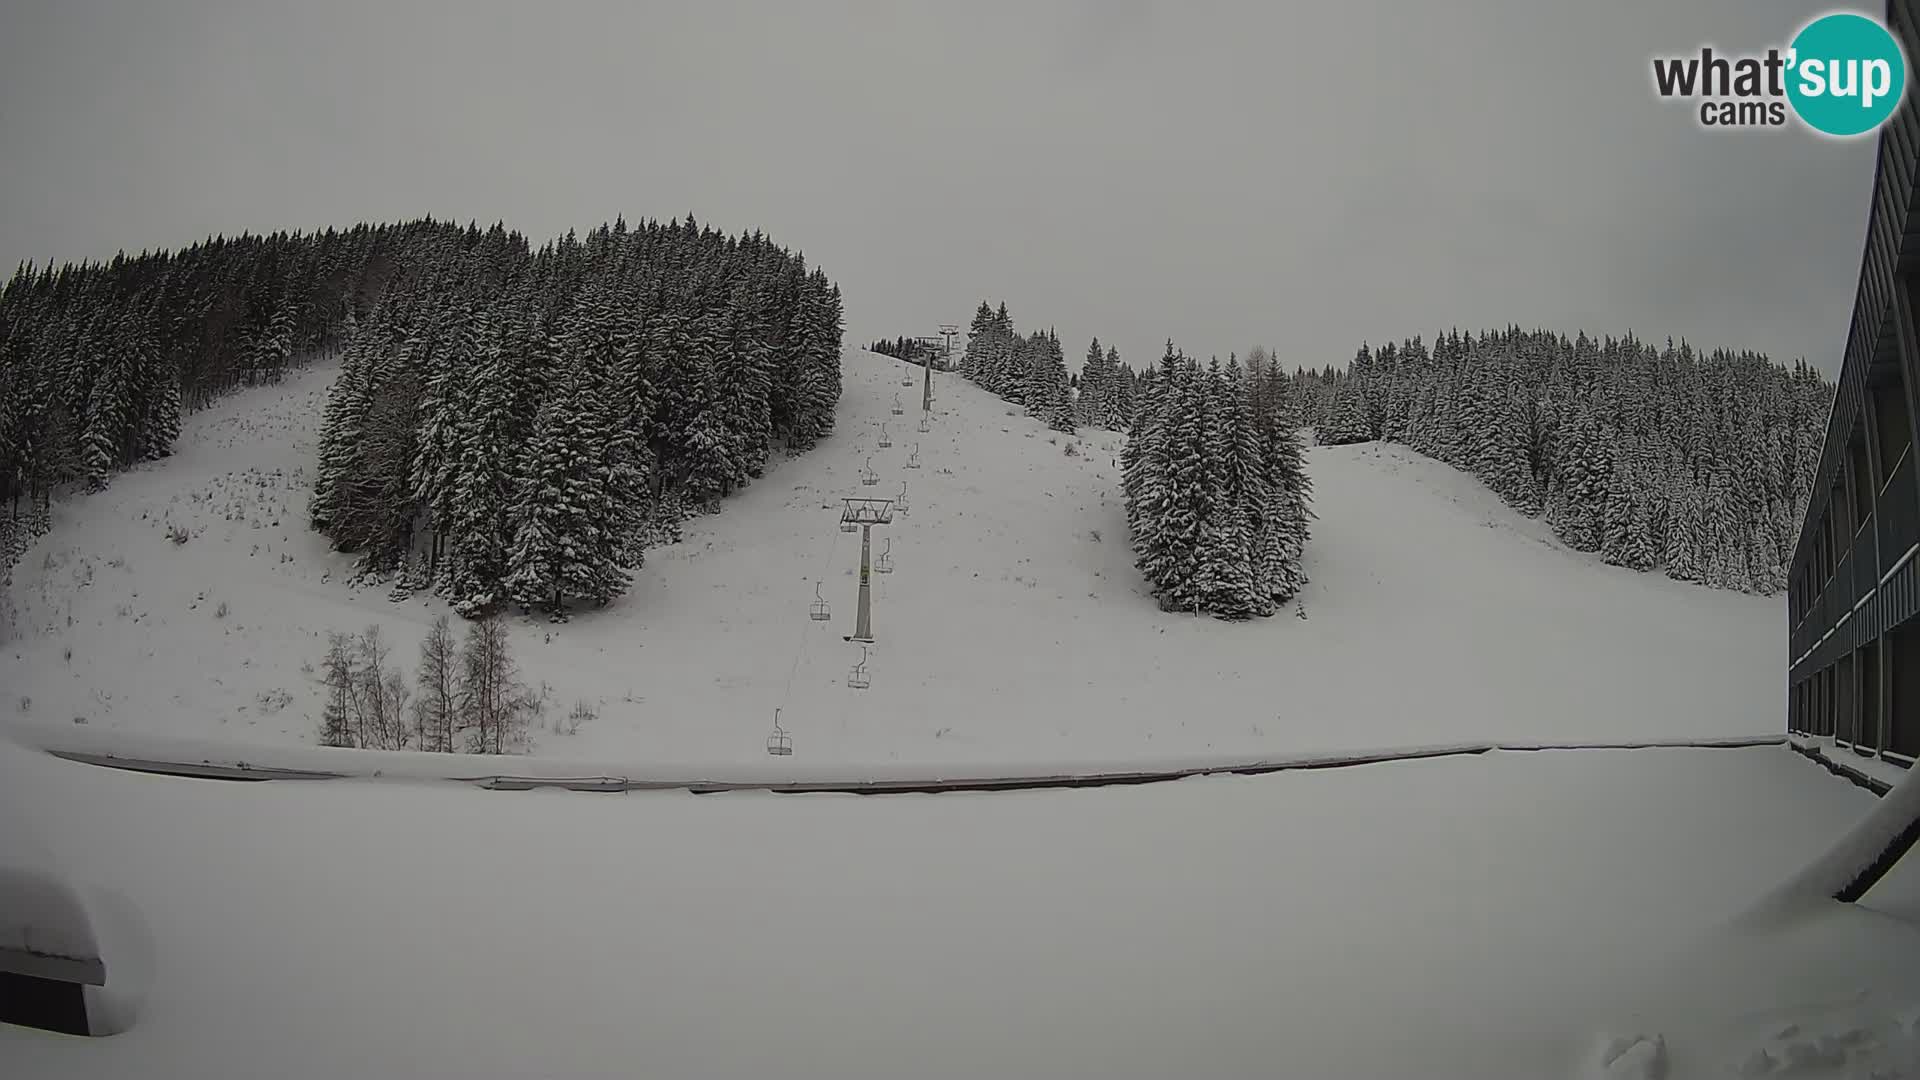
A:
[1903,695]
[1860,479]
[1893,423]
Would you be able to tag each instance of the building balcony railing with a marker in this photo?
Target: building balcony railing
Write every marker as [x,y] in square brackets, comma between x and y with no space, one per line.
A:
[1899,517]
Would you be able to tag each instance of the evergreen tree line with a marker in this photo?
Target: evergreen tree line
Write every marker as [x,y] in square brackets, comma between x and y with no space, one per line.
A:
[467,695]
[1105,390]
[515,426]
[98,360]
[905,348]
[1656,458]
[1217,494]
[1027,370]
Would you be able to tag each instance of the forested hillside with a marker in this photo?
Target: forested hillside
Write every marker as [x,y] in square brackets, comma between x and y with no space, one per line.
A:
[1697,464]
[1026,369]
[507,425]
[517,427]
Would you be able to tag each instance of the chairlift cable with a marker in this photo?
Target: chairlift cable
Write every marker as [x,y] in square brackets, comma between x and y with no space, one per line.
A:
[786,693]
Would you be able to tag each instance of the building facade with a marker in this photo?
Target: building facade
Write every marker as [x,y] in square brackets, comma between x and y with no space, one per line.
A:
[1854,587]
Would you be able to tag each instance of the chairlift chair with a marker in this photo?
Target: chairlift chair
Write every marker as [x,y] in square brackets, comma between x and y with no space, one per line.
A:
[884,564]
[925,426]
[779,743]
[900,503]
[818,611]
[898,408]
[857,678]
[886,440]
[867,476]
[913,459]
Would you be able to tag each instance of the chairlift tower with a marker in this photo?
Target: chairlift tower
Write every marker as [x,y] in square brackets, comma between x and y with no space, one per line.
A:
[949,331]
[866,513]
[926,390]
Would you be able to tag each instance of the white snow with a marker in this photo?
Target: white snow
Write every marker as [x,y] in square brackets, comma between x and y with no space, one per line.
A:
[1489,917]
[201,756]
[1632,1057]
[1008,633]
[1851,854]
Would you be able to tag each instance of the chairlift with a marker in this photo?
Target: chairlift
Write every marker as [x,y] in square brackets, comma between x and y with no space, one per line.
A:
[818,611]
[913,459]
[779,743]
[857,678]
[884,564]
[886,440]
[867,475]
[898,408]
[900,503]
[925,425]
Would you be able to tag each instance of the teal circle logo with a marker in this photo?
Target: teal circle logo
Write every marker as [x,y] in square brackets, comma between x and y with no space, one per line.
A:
[1846,74]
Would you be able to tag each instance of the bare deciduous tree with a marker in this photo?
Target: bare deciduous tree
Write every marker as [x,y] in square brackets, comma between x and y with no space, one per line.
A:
[437,709]
[493,704]
[382,696]
[340,678]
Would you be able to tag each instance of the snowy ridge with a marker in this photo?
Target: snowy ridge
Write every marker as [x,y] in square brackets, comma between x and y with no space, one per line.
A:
[191,757]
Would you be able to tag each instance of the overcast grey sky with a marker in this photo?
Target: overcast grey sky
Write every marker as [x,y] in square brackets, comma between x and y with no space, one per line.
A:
[1303,176]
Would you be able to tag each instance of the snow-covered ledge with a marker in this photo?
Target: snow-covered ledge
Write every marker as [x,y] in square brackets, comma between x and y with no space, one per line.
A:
[48,953]
[221,759]
[1872,772]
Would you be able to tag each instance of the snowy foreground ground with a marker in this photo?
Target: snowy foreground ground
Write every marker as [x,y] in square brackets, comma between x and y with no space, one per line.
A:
[1512,915]
[1014,629]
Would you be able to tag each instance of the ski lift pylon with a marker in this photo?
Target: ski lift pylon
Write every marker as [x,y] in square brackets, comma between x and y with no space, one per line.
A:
[867,476]
[818,611]
[857,678]
[779,743]
[884,564]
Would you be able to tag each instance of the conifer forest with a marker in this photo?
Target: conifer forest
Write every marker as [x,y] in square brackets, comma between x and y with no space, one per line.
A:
[1699,465]
[509,425]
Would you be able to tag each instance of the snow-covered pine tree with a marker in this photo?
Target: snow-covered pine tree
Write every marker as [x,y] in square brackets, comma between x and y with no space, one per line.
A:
[973,360]
[1290,490]
[1148,462]
[1346,419]
[110,410]
[1238,501]
[1090,404]
[1048,392]
[1117,407]
[568,523]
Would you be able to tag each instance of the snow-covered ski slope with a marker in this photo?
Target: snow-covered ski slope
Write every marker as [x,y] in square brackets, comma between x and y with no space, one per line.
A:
[1013,629]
